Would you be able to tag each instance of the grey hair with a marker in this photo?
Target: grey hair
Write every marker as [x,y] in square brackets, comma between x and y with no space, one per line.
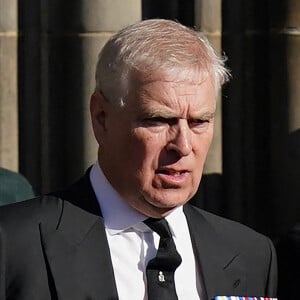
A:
[153,46]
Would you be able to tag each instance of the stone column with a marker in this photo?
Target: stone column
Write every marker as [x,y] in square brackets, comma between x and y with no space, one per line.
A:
[261,128]
[246,127]
[285,112]
[208,19]
[71,37]
[8,85]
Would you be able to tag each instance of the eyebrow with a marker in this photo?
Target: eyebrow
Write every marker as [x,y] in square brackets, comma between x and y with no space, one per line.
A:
[207,115]
[159,113]
[169,115]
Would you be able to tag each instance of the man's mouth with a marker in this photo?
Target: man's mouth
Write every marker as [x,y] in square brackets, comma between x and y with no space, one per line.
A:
[170,172]
[170,177]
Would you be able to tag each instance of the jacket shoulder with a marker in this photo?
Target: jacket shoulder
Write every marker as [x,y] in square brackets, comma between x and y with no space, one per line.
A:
[235,235]
[46,209]
[228,229]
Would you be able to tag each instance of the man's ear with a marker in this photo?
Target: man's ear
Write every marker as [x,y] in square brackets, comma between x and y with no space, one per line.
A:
[98,105]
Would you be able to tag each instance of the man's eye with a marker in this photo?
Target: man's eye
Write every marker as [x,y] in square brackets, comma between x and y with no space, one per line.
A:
[159,121]
[199,123]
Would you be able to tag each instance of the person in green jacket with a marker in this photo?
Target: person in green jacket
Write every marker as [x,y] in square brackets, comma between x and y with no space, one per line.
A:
[14,187]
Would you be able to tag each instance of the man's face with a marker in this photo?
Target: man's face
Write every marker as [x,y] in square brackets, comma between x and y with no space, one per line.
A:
[153,149]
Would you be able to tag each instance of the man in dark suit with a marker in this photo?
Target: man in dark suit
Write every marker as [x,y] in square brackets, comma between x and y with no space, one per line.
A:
[153,114]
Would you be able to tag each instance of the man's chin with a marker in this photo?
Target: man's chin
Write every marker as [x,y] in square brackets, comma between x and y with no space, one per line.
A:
[159,212]
[161,207]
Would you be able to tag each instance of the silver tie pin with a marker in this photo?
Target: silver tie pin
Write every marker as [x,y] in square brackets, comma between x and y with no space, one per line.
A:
[161,276]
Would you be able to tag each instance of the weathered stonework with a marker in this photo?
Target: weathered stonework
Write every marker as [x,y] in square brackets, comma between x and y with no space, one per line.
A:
[8,85]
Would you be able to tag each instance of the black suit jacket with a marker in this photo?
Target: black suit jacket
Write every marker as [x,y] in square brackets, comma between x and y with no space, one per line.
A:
[55,247]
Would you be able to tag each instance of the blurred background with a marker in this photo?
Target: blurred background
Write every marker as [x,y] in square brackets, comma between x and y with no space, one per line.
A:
[48,51]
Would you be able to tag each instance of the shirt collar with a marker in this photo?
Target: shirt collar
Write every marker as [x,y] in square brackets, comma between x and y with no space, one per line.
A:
[118,214]
[175,220]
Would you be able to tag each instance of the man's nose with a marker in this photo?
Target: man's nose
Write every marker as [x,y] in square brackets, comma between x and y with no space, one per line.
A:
[181,140]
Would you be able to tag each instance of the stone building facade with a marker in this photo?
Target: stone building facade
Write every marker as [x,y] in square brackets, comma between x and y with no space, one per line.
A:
[48,51]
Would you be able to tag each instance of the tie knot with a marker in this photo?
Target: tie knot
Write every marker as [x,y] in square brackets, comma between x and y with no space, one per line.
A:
[160,226]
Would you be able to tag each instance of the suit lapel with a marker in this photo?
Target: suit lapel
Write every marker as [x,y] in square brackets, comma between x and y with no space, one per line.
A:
[220,267]
[77,252]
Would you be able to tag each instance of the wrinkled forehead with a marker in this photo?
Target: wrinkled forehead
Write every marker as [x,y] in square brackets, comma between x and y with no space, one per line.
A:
[175,87]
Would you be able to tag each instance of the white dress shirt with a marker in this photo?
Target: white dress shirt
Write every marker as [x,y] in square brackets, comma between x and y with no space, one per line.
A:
[132,244]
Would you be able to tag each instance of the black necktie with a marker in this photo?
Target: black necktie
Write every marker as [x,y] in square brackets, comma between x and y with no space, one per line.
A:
[160,270]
